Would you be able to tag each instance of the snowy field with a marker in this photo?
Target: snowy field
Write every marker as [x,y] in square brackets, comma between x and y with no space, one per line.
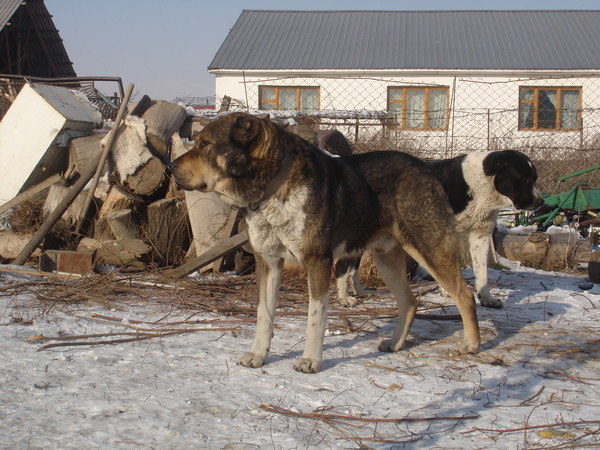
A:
[534,384]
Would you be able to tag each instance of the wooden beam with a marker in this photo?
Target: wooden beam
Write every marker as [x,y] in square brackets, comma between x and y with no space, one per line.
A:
[224,247]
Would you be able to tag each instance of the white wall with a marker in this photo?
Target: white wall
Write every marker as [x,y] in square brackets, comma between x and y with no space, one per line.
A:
[485,105]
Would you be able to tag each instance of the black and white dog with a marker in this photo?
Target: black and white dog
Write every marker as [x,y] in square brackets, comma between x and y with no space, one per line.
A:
[478,185]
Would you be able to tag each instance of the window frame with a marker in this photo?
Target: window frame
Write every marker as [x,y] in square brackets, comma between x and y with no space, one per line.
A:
[278,89]
[558,107]
[402,123]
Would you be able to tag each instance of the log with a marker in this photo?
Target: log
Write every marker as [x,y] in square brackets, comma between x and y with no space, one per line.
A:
[123,225]
[12,243]
[543,250]
[116,200]
[192,126]
[56,195]
[225,247]
[162,120]
[139,171]
[131,253]
[168,231]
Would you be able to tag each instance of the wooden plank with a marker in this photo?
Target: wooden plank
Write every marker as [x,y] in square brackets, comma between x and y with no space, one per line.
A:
[229,226]
[31,192]
[224,247]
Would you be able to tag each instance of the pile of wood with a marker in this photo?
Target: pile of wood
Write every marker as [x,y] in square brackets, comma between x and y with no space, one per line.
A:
[116,205]
[131,215]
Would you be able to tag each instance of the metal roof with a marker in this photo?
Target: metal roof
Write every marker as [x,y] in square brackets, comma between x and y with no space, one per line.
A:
[34,37]
[7,9]
[446,40]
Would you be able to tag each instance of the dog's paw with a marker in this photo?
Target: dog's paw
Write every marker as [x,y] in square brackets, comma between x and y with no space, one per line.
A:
[490,302]
[347,301]
[388,346]
[464,347]
[307,365]
[251,359]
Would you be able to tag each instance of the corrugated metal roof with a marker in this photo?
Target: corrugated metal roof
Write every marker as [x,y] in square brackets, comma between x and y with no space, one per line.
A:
[33,35]
[7,9]
[484,40]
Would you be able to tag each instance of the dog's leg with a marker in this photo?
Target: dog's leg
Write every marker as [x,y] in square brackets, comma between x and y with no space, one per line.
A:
[343,268]
[445,269]
[391,267]
[268,273]
[479,247]
[357,286]
[318,286]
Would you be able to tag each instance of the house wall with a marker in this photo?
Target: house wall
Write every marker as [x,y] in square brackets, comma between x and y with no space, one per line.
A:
[483,107]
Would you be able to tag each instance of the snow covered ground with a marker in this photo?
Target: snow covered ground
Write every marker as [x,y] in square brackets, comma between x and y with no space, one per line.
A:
[535,382]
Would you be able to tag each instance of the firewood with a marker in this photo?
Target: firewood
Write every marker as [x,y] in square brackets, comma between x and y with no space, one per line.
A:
[131,253]
[138,170]
[12,243]
[162,120]
[123,225]
[543,250]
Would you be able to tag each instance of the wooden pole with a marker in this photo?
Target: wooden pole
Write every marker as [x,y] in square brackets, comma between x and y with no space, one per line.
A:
[109,143]
[70,196]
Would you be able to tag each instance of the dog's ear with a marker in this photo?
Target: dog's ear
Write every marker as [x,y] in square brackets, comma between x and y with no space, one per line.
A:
[245,130]
[495,163]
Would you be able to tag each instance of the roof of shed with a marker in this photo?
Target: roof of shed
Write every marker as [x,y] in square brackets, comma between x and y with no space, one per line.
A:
[46,56]
[7,9]
[446,40]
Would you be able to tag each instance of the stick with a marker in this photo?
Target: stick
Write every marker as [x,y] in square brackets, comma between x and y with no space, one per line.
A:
[109,144]
[337,417]
[224,247]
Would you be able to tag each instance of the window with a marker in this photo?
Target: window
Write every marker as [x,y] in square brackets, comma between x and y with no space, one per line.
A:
[289,98]
[550,108]
[419,108]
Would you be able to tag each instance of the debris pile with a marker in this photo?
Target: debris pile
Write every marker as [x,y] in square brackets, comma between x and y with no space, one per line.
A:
[87,195]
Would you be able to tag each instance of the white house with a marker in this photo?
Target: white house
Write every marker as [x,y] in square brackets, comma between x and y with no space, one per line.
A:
[445,80]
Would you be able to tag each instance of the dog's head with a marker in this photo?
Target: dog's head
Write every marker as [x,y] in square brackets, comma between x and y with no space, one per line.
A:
[232,156]
[514,177]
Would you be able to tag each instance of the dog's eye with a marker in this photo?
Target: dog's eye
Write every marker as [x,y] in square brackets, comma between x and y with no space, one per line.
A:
[201,143]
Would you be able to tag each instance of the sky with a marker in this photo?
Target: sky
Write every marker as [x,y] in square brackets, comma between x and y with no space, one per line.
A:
[164,47]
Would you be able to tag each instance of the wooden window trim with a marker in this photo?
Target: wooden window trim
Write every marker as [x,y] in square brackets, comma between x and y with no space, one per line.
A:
[558,107]
[278,89]
[427,89]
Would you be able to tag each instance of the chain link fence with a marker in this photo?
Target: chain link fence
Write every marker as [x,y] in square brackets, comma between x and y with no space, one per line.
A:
[476,114]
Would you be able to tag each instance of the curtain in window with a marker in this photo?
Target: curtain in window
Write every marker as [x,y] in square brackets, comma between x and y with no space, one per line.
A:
[526,109]
[287,99]
[267,99]
[309,99]
[415,108]
[569,115]
[437,108]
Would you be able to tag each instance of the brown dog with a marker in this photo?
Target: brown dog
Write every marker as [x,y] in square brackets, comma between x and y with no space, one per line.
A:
[304,205]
